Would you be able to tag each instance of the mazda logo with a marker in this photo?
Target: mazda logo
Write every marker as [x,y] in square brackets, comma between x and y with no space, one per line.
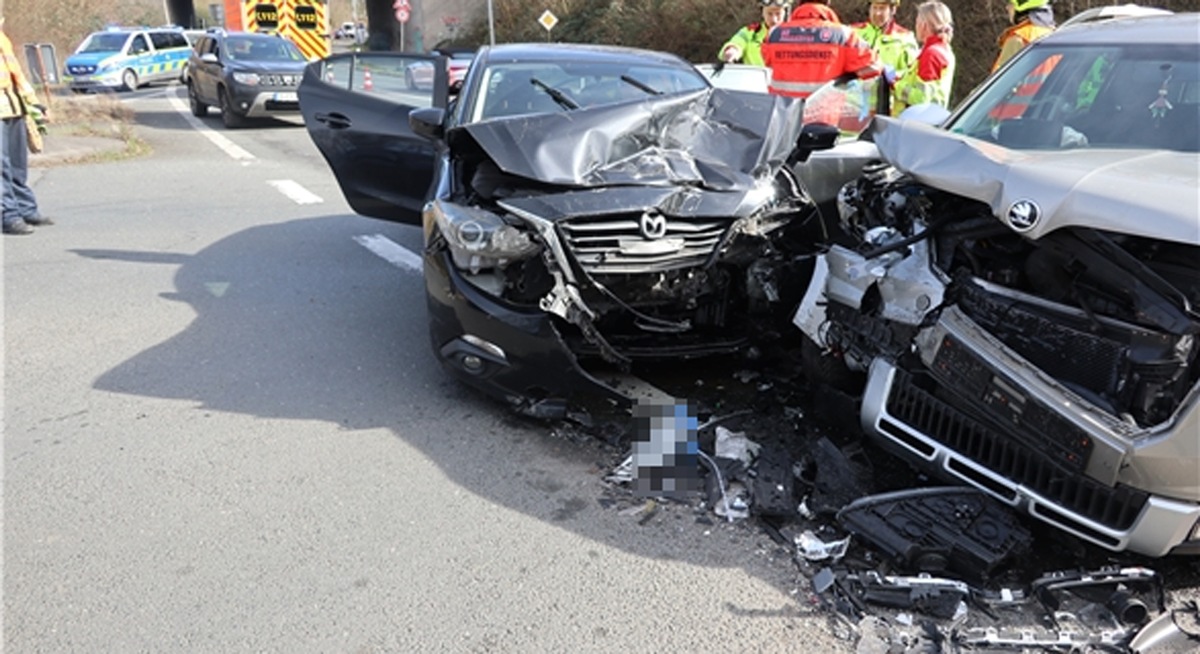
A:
[653,226]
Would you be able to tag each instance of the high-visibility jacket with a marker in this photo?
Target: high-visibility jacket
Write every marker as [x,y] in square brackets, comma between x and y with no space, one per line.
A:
[929,79]
[16,93]
[894,45]
[809,50]
[749,40]
[1016,37]
[1014,106]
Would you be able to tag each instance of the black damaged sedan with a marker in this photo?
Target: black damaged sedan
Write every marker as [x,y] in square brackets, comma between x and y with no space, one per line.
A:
[586,209]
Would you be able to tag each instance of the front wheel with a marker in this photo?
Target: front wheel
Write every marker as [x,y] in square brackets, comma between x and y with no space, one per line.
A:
[199,109]
[129,80]
[231,118]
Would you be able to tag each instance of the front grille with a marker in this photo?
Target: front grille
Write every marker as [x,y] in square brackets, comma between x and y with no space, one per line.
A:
[1113,507]
[81,70]
[615,244]
[1006,403]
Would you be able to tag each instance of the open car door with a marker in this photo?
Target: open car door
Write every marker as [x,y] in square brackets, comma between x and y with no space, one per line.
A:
[356,107]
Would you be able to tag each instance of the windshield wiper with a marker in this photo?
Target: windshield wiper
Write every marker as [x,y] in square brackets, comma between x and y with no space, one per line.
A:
[558,96]
[641,85]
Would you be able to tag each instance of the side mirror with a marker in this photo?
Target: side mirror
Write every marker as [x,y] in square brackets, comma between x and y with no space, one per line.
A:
[813,137]
[427,122]
[209,58]
[456,87]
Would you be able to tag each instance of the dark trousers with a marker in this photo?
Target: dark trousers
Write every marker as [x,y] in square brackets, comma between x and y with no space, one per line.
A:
[18,201]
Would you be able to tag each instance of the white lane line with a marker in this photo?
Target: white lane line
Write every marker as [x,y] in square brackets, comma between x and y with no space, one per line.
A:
[295,192]
[228,147]
[390,251]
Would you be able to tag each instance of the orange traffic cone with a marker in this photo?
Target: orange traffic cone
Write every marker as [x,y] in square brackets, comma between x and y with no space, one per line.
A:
[368,85]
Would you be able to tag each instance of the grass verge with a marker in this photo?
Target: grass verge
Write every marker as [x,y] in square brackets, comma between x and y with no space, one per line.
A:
[94,115]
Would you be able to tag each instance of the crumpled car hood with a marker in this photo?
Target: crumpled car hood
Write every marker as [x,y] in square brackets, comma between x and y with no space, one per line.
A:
[716,139]
[1150,193]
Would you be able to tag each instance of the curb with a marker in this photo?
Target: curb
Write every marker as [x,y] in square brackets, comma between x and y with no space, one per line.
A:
[62,149]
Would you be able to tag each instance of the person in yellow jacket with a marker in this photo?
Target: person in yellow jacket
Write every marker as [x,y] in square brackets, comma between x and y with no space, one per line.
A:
[746,45]
[1031,20]
[17,99]
[895,46]
[930,78]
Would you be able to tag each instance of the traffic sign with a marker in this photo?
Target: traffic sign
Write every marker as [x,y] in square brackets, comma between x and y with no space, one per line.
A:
[401,4]
[548,20]
[402,15]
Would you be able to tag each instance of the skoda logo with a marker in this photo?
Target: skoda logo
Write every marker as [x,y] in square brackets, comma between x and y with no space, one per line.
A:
[1023,215]
[653,226]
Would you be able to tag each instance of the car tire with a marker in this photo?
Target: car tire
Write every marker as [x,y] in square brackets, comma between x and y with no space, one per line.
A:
[129,80]
[199,109]
[231,118]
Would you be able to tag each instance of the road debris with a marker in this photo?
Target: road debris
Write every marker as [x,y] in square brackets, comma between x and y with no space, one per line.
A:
[812,548]
[960,530]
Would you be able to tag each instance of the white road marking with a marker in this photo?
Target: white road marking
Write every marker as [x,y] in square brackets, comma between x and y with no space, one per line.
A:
[390,251]
[295,192]
[228,147]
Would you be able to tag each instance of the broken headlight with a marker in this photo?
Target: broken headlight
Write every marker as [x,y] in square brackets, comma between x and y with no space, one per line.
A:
[479,239]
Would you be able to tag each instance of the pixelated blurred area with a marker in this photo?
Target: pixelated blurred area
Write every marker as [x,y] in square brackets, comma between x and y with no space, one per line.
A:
[666,450]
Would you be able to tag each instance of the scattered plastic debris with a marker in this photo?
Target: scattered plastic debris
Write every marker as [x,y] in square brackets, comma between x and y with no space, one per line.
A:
[623,473]
[812,548]
[735,445]
[1120,590]
[936,530]
[737,503]
[837,478]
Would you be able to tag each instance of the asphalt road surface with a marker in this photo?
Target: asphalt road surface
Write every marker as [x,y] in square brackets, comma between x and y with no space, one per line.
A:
[224,431]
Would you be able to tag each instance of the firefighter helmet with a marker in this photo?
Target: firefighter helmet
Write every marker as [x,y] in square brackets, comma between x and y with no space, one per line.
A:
[1026,5]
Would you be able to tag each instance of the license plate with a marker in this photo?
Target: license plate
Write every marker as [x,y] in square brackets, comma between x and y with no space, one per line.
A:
[285,96]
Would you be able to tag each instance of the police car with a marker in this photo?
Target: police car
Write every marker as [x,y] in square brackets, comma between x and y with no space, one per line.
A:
[126,58]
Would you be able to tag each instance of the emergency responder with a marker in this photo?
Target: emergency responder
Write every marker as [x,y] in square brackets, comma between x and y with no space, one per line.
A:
[17,99]
[931,76]
[813,48]
[895,46]
[1031,20]
[746,45]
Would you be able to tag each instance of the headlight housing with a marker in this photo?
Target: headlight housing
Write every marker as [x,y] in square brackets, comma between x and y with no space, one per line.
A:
[479,239]
[249,79]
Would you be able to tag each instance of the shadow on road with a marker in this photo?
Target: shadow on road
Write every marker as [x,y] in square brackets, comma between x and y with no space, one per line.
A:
[293,324]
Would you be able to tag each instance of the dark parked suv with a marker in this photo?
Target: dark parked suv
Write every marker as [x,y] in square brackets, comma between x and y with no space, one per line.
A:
[246,75]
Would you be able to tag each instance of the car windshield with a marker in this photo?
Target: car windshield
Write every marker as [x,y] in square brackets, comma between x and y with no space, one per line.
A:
[104,42]
[737,77]
[511,89]
[1116,96]
[267,49]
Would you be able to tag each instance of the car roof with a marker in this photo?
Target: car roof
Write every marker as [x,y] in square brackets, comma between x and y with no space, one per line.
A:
[578,52]
[1112,12]
[1175,28]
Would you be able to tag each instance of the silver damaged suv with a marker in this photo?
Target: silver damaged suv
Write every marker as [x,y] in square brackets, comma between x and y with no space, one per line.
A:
[1016,298]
